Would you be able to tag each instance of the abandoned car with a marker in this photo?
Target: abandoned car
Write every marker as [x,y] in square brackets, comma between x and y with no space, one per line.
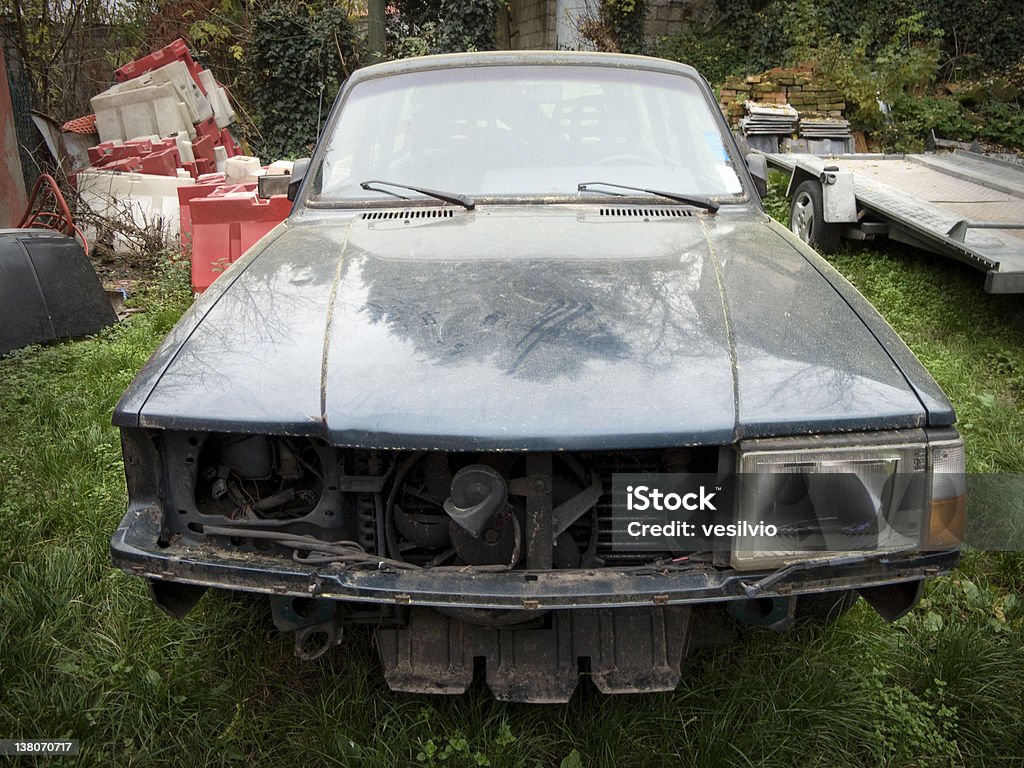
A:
[512,286]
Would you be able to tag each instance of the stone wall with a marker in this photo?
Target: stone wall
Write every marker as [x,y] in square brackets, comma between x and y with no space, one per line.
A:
[810,93]
[665,17]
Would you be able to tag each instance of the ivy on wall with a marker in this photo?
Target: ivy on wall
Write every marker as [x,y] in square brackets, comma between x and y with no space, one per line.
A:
[624,19]
[296,59]
[421,27]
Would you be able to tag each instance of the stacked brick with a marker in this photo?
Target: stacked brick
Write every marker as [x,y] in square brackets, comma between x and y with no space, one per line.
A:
[811,94]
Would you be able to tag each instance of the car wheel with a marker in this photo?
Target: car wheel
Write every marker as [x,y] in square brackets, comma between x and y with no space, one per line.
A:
[825,607]
[807,218]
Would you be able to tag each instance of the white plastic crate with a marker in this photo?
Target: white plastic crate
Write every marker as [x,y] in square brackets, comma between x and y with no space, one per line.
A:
[242,169]
[220,157]
[148,201]
[153,109]
[177,74]
[184,147]
[223,112]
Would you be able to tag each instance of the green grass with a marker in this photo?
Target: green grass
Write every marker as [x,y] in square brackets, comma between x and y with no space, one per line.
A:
[84,654]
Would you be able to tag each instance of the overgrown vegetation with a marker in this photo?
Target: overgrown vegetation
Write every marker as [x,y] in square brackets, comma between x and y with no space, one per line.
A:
[296,59]
[85,655]
[936,64]
[423,27]
[66,50]
[976,41]
[947,66]
[618,25]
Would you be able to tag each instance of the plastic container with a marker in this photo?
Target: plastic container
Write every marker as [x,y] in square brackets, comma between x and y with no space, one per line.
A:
[220,155]
[223,112]
[181,141]
[205,186]
[177,75]
[227,140]
[280,167]
[163,163]
[154,109]
[149,200]
[242,169]
[174,51]
[110,154]
[198,168]
[226,224]
[208,128]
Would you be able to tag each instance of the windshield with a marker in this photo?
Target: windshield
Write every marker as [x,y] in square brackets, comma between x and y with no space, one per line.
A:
[526,130]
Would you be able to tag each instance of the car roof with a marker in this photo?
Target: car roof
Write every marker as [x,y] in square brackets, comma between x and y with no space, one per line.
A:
[520,58]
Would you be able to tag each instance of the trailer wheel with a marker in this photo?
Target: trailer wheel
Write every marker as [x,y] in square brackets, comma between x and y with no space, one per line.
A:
[807,218]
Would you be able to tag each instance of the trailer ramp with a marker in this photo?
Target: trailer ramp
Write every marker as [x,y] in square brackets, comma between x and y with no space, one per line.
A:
[961,205]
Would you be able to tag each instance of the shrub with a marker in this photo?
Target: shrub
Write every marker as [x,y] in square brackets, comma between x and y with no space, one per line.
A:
[912,119]
[422,27]
[298,56]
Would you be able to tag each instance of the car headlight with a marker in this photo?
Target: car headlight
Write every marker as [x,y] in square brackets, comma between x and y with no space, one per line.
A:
[816,499]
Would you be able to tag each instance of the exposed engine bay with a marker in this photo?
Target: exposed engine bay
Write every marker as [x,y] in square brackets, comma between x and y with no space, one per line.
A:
[458,559]
[421,509]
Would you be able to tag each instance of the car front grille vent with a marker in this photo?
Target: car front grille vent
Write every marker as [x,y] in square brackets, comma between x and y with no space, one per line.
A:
[426,213]
[647,213]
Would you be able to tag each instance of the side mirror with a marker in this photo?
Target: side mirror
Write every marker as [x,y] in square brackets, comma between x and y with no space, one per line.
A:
[758,167]
[269,185]
[298,174]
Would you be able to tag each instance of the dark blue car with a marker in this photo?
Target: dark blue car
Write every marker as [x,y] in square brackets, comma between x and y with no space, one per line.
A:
[515,289]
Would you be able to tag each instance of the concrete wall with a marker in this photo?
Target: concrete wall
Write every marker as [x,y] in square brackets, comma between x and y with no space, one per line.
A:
[531,24]
[664,17]
[534,23]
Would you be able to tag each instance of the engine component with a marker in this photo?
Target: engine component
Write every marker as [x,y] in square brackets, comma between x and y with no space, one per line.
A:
[428,531]
[477,493]
[251,457]
[257,477]
[500,543]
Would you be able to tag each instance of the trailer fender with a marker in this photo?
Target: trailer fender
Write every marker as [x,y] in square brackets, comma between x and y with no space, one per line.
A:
[839,200]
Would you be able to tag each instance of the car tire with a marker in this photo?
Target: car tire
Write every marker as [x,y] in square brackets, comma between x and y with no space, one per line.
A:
[826,607]
[807,218]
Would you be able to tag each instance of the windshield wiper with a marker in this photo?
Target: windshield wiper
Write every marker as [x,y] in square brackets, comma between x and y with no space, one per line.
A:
[465,201]
[700,202]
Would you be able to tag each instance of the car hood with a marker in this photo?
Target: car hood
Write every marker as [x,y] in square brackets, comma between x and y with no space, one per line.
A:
[574,327]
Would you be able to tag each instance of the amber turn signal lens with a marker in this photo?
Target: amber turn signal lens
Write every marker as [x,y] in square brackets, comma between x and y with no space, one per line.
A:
[948,522]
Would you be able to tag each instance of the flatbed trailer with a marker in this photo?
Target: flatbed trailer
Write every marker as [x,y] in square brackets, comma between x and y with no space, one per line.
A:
[961,205]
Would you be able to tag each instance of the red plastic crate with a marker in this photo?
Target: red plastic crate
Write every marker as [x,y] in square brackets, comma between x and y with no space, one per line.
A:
[228,142]
[108,152]
[102,155]
[226,224]
[133,163]
[163,163]
[202,149]
[198,167]
[208,127]
[204,187]
[174,51]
